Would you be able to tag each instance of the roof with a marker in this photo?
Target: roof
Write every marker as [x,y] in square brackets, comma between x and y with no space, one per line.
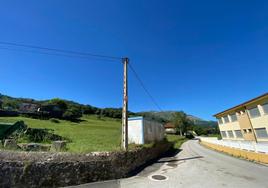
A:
[135,118]
[142,119]
[169,125]
[243,104]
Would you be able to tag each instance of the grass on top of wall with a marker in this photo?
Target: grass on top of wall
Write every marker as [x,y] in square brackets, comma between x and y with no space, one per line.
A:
[176,139]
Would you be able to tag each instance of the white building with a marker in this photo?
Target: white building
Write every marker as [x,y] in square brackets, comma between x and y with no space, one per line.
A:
[143,131]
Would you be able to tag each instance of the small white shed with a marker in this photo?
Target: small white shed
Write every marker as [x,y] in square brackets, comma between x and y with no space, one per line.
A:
[143,131]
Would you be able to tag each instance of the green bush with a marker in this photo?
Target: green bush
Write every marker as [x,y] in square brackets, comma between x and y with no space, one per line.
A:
[54,120]
[59,102]
[72,113]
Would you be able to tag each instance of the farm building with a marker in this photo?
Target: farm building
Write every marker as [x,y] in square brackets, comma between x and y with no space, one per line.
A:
[28,107]
[143,131]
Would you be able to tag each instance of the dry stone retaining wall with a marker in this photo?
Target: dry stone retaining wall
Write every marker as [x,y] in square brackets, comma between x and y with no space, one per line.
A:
[42,169]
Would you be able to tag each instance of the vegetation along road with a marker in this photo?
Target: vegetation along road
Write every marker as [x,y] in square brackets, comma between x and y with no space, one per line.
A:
[196,166]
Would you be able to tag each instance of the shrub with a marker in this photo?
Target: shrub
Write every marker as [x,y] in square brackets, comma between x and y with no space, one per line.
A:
[72,113]
[54,120]
[60,103]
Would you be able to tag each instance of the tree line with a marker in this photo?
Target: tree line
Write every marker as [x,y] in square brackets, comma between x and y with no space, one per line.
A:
[70,110]
[56,108]
[183,124]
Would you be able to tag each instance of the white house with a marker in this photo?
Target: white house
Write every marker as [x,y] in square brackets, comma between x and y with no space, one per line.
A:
[143,131]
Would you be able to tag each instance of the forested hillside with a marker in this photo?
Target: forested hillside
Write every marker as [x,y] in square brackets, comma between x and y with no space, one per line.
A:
[65,109]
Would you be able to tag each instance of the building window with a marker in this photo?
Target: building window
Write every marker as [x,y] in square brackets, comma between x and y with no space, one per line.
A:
[242,112]
[265,108]
[220,121]
[223,134]
[254,112]
[226,119]
[245,131]
[238,134]
[230,134]
[233,117]
[249,131]
[261,133]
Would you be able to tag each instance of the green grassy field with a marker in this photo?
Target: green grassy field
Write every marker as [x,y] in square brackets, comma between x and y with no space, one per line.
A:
[91,134]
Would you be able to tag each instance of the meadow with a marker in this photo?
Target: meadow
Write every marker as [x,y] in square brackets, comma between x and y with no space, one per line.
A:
[90,134]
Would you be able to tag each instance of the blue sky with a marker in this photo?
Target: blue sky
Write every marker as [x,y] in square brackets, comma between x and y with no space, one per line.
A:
[198,56]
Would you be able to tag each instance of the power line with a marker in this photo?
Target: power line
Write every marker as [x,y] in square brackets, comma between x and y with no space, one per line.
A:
[144,88]
[54,54]
[59,50]
[75,54]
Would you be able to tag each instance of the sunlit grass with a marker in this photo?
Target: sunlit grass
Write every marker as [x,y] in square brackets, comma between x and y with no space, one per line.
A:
[178,140]
[91,134]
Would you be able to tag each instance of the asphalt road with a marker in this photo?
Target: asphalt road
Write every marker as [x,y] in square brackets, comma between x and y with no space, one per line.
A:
[195,166]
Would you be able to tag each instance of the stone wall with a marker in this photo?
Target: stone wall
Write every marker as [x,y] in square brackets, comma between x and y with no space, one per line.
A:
[41,169]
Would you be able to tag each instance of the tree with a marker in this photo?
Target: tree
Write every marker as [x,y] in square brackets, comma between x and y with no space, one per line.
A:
[181,122]
[60,103]
[100,114]
[72,113]
[89,109]
[1,103]
[11,104]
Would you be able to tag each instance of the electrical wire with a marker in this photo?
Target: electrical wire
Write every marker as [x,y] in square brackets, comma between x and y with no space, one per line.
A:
[144,87]
[76,54]
[59,50]
[55,54]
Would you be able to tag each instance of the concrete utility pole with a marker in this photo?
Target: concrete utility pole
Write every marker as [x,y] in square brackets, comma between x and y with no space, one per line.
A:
[125,108]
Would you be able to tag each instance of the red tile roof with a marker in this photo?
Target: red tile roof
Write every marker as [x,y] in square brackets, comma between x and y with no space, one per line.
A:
[169,125]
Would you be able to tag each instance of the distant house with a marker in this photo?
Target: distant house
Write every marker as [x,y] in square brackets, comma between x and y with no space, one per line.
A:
[143,131]
[170,128]
[28,107]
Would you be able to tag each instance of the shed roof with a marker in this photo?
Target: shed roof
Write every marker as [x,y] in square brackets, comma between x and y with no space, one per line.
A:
[135,118]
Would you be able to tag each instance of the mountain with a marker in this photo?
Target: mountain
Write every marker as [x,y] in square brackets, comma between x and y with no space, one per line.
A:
[166,116]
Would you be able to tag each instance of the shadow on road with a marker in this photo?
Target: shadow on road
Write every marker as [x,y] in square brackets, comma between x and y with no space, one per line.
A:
[171,153]
[153,165]
[175,160]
